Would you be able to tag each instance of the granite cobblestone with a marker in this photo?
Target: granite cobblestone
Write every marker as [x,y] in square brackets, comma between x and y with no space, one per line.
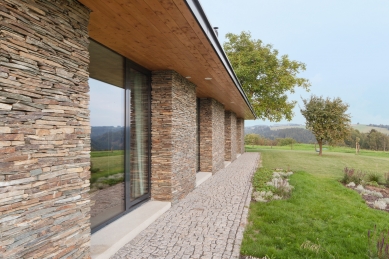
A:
[208,223]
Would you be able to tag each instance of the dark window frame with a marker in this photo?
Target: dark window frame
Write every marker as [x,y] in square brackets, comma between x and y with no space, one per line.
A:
[131,205]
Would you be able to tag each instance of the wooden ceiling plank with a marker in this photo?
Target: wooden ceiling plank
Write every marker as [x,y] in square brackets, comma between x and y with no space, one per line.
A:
[179,19]
[189,16]
[142,10]
[175,31]
[188,36]
[146,44]
[162,37]
[108,29]
[208,49]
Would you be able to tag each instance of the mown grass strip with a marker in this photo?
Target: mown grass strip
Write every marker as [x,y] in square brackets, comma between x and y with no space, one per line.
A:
[322,218]
[319,212]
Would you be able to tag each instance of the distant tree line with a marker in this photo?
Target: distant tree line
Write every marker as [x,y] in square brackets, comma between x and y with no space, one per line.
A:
[255,139]
[379,126]
[374,140]
[298,134]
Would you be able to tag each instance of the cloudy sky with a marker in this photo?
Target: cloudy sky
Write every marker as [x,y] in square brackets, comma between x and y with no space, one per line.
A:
[345,45]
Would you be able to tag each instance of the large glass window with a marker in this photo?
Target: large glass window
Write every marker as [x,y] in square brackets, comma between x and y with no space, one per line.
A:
[107,151]
[119,106]
[139,179]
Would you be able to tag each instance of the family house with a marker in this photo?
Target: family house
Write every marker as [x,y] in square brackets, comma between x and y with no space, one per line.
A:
[104,107]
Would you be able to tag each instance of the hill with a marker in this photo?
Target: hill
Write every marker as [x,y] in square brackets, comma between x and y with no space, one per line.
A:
[107,138]
[302,135]
[297,132]
[367,128]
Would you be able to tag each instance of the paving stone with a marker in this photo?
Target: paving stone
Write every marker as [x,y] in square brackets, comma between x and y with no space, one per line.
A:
[198,225]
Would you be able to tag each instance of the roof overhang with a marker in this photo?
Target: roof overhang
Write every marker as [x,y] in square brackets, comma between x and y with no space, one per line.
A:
[170,35]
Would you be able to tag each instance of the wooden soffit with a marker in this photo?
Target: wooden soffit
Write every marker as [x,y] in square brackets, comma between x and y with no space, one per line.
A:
[165,35]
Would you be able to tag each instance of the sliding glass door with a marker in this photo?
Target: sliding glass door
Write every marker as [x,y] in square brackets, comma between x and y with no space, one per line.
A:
[138,130]
[120,135]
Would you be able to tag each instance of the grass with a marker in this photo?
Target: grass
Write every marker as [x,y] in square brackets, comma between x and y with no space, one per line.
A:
[107,153]
[322,219]
[326,149]
[107,162]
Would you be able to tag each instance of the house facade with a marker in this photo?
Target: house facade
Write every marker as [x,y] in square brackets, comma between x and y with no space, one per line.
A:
[105,105]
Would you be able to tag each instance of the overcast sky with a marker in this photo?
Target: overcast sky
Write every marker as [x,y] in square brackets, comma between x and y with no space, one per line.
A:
[345,45]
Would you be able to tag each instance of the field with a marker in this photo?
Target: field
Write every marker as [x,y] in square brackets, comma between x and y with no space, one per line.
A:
[322,219]
[326,149]
[361,127]
[365,129]
[106,163]
[286,127]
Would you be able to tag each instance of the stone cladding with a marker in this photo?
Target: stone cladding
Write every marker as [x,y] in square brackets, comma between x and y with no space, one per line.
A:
[240,136]
[230,136]
[173,136]
[44,129]
[211,135]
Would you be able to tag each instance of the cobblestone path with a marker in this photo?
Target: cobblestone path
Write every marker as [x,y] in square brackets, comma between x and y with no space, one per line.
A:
[208,223]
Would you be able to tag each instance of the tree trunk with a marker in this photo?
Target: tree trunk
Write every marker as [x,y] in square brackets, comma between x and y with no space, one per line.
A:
[320,148]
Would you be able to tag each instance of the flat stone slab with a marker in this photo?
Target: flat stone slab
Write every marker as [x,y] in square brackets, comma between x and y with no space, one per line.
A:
[208,223]
[202,177]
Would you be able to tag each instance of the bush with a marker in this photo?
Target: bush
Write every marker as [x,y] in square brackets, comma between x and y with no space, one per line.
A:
[386,177]
[351,175]
[374,177]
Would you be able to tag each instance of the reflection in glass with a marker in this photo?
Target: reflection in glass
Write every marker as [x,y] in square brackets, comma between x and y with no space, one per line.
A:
[119,106]
[107,151]
[139,134]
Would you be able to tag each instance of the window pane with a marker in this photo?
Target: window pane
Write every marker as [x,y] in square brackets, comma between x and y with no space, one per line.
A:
[139,179]
[106,65]
[107,151]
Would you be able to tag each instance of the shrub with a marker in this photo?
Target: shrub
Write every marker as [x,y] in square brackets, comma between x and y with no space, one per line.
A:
[351,175]
[374,177]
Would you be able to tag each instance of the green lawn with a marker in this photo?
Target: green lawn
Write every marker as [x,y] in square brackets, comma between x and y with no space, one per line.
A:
[107,162]
[322,219]
[326,149]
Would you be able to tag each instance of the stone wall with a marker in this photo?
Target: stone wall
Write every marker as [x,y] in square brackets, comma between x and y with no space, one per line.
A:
[230,136]
[211,135]
[240,136]
[44,130]
[218,136]
[173,136]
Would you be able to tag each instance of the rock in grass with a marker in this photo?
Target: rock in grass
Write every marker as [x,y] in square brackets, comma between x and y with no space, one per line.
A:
[351,184]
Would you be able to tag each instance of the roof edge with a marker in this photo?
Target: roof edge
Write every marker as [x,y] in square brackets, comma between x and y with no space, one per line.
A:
[202,20]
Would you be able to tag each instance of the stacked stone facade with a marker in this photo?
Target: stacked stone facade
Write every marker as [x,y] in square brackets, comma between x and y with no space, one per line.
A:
[240,136]
[230,136]
[173,136]
[44,130]
[211,135]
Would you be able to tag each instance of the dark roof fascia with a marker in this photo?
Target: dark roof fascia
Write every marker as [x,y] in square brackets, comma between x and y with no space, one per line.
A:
[202,20]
